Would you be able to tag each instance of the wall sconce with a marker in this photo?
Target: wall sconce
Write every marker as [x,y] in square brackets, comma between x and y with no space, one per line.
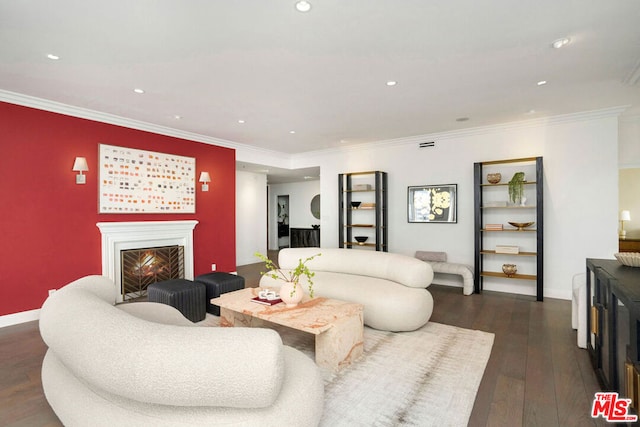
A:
[624,216]
[205,179]
[80,165]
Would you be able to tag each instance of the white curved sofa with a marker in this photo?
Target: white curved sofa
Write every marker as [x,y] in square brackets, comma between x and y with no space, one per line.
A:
[108,366]
[392,287]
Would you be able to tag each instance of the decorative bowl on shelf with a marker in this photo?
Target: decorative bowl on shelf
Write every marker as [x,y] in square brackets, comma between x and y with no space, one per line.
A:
[521,225]
[509,269]
[315,226]
[630,259]
[494,178]
[355,205]
[361,239]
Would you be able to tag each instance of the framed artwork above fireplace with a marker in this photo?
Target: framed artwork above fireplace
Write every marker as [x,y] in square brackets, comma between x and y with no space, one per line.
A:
[140,181]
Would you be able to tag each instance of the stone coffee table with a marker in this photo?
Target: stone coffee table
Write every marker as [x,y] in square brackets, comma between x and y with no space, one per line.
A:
[336,325]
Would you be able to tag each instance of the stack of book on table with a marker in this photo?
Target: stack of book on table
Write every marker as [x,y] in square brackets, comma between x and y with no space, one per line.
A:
[267,301]
[493,227]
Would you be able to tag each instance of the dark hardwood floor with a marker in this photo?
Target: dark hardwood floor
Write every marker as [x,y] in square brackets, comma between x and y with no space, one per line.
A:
[536,375]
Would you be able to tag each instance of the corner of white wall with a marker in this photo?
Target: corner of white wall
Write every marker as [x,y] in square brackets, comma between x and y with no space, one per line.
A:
[251,211]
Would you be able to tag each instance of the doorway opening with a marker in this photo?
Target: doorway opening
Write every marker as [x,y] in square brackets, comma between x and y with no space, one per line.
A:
[283,221]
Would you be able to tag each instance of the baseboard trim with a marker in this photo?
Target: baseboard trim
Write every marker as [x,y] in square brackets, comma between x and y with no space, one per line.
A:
[548,293]
[17,318]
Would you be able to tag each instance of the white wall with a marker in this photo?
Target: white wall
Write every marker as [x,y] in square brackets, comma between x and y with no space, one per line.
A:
[581,199]
[251,216]
[300,195]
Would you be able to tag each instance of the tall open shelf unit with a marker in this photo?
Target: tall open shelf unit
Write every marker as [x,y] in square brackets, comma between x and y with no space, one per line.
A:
[370,218]
[492,206]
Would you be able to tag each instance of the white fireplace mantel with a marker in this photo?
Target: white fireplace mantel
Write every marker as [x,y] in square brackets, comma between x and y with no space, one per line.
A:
[119,236]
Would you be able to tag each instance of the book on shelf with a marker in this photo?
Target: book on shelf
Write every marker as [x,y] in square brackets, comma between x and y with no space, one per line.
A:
[495,204]
[265,301]
[493,226]
[507,249]
[361,187]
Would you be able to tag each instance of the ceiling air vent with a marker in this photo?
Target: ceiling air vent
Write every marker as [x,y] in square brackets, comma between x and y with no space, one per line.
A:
[427,144]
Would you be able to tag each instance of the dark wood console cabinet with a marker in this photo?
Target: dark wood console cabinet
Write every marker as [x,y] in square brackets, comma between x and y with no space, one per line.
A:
[613,316]
[305,237]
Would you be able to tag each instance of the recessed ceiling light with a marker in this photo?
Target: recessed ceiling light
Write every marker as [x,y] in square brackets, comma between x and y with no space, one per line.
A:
[52,56]
[138,90]
[392,83]
[177,117]
[303,6]
[462,119]
[542,82]
[531,112]
[557,44]
[241,121]
[292,131]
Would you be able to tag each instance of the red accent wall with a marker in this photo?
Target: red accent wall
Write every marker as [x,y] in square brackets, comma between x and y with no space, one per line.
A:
[48,223]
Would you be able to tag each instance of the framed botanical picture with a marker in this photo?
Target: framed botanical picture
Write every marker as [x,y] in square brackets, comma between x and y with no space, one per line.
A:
[433,203]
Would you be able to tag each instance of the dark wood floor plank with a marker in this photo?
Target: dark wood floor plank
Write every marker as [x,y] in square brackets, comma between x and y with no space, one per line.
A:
[573,401]
[507,406]
[22,401]
[540,397]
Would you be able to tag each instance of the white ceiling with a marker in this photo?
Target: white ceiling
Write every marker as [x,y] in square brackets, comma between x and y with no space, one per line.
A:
[323,74]
[280,175]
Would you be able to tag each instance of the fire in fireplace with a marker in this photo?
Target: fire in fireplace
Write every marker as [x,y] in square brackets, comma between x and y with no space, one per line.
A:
[142,267]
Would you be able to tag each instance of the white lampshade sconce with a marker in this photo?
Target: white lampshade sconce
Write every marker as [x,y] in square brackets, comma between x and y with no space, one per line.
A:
[624,216]
[205,179]
[80,165]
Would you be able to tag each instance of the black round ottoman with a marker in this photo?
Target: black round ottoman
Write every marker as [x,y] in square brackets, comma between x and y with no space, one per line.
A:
[218,283]
[187,296]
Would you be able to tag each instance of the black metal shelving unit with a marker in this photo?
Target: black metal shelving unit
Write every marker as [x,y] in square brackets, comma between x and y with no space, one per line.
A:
[370,218]
[481,233]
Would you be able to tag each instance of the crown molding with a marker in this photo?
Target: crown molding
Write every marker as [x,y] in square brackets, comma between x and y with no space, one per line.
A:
[242,150]
[480,130]
[251,154]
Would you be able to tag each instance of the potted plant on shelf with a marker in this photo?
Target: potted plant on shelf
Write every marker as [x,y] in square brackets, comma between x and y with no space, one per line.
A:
[516,187]
[291,291]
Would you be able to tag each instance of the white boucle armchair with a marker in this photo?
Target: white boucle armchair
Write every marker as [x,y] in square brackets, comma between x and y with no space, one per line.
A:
[145,364]
[391,287]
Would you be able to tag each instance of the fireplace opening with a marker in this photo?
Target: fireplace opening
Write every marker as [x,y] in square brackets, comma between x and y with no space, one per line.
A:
[142,267]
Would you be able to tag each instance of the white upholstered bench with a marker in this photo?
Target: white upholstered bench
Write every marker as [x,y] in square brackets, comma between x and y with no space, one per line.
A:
[439,264]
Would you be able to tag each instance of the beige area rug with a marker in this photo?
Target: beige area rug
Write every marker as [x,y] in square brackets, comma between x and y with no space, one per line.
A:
[427,377]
